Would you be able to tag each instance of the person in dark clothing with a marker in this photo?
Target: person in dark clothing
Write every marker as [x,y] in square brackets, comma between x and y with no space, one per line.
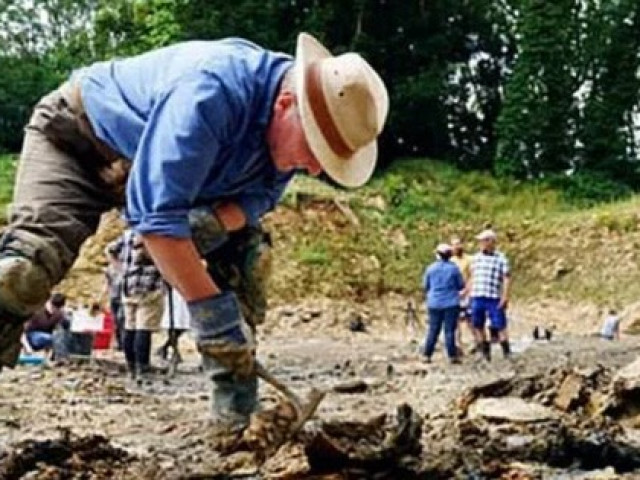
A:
[39,328]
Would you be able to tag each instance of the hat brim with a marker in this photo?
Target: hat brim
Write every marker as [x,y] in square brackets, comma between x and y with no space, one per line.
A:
[353,171]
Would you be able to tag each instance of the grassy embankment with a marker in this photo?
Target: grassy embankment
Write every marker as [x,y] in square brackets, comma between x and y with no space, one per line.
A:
[379,238]
[362,243]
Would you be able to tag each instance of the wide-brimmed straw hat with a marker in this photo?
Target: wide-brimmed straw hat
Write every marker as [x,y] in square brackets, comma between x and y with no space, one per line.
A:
[343,106]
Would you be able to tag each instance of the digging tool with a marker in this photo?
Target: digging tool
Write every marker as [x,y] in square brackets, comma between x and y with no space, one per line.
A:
[265,375]
[277,426]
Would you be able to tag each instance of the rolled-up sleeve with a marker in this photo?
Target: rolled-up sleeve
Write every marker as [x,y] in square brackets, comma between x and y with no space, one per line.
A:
[176,155]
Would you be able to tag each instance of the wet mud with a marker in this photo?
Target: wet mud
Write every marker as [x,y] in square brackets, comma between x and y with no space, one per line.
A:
[559,409]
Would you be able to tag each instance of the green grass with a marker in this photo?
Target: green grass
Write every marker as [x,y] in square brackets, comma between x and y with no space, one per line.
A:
[557,249]
[313,254]
[8,164]
[377,239]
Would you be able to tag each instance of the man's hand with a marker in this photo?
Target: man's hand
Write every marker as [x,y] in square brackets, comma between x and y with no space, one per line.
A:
[506,286]
[210,225]
[231,216]
[222,333]
[207,230]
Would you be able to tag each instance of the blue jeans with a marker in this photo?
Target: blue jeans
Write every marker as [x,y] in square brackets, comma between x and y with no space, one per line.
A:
[40,340]
[439,317]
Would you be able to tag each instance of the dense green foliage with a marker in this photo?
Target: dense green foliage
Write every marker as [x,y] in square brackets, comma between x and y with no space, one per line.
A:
[523,88]
[7,175]
[570,100]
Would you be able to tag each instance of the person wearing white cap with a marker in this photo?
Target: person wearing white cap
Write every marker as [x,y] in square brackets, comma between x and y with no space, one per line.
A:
[443,284]
[489,293]
[199,136]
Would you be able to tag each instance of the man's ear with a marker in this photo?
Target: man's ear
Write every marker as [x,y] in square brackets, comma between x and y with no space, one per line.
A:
[284,100]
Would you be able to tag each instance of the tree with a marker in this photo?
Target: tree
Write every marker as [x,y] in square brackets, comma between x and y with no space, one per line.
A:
[536,127]
[40,43]
[606,131]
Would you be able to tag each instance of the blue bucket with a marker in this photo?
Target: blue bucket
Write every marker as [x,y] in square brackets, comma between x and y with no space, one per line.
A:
[27,359]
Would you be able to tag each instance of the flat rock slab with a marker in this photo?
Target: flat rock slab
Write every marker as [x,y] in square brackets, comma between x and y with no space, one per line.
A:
[628,377]
[354,386]
[569,392]
[510,409]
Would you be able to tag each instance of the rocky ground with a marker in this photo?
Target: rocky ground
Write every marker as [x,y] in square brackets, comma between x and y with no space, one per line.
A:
[559,409]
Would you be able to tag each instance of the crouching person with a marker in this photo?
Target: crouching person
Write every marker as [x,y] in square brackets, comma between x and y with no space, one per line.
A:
[175,129]
[39,329]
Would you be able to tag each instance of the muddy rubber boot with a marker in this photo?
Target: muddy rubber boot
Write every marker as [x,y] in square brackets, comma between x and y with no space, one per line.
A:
[142,354]
[142,347]
[233,399]
[506,348]
[128,340]
[24,288]
[486,351]
[144,375]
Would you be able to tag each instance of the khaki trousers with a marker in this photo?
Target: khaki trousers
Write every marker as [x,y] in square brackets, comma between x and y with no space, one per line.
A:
[144,311]
[61,190]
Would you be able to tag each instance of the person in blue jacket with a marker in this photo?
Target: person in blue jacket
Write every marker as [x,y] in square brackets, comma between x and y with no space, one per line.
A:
[443,284]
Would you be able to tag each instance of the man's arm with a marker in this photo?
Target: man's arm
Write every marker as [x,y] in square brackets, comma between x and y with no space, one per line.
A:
[179,261]
[506,285]
[104,291]
[466,291]
[180,265]
[231,216]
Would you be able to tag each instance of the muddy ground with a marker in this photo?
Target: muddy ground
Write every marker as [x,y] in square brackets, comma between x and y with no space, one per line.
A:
[387,414]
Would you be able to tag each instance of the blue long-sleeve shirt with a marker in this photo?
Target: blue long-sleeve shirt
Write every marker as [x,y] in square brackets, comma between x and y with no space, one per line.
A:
[442,282]
[192,118]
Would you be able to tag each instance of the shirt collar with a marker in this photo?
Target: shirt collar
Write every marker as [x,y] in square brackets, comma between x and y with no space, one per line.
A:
[272,87]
